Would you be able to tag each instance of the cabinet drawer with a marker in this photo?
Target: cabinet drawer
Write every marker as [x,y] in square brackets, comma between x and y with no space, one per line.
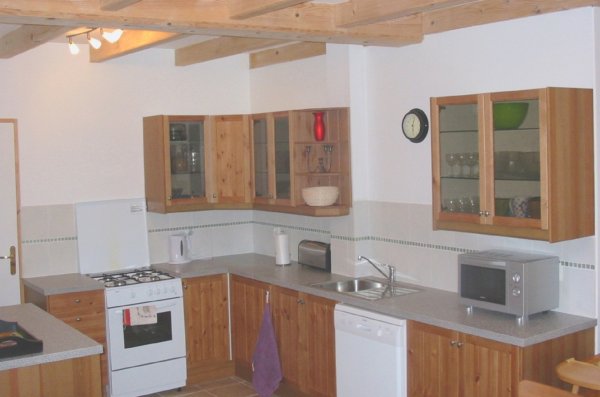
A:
[89,302]
[93,325]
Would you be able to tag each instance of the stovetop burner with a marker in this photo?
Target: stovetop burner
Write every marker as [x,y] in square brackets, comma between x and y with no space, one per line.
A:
[132,276]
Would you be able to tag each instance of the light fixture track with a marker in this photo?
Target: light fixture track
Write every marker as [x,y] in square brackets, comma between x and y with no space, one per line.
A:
[111,37]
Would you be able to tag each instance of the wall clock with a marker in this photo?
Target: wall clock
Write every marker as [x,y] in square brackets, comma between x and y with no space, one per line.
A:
[415,125]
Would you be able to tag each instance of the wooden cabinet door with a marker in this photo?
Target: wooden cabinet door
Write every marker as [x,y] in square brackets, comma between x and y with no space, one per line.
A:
[433,361]
[288,321]
[320,339]
[487,368]
[248,299]
[207,328]
[232,179]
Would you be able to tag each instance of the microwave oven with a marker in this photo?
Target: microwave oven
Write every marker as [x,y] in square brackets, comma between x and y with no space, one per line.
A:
[509,282]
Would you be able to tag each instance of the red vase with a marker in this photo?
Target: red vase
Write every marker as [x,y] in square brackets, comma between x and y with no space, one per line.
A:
[319,126]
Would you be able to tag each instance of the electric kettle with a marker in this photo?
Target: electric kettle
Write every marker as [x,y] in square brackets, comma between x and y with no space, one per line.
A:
[179,249]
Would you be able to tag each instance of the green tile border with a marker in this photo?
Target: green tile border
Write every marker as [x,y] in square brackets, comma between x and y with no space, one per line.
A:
[405,243]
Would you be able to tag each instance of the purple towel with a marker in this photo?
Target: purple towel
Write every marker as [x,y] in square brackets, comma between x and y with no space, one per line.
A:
[265,360]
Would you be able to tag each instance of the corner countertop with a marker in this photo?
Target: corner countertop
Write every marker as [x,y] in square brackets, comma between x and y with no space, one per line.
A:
[62,284]
[61,342]
[431,306]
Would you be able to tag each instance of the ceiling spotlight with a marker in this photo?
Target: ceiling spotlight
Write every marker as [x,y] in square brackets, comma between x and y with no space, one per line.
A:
[94,42]
[112,37]
[73,47]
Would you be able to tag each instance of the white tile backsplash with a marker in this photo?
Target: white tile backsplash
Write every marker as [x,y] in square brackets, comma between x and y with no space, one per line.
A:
[398,234]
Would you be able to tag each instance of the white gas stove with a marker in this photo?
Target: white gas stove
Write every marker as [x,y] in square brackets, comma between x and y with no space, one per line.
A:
[145,331]
[145,325]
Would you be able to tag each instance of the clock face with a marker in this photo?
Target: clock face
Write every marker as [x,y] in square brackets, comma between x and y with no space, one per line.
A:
[415,125]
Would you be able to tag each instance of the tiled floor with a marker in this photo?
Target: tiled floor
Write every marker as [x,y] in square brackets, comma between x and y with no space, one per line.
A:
[228,387]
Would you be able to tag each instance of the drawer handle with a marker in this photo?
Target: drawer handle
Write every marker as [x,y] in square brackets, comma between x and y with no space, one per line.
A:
[77,318]
[77,300]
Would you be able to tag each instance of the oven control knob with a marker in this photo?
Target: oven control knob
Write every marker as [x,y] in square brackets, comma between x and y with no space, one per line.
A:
[516,277]
[516,292]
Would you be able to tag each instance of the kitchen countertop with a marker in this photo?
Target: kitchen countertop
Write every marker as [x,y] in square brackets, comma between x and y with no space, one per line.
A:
[62,283]
[431,306]
[61,342]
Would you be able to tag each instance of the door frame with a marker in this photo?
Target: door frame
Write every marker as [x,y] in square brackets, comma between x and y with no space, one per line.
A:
[14,122]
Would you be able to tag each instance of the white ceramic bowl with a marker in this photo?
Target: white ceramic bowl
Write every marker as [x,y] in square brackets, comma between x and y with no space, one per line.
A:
[320,196]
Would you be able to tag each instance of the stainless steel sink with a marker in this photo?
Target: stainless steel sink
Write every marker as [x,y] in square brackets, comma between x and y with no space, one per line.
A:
[353,285]
[366,288]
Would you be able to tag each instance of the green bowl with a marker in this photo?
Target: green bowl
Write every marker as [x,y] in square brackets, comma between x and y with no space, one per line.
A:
[509,115]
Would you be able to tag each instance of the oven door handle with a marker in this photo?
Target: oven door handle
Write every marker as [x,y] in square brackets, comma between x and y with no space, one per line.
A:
[159,307]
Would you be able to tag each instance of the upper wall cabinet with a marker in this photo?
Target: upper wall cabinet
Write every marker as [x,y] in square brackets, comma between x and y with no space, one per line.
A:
[176,150]
[288,157]
[196,162]
[517,164]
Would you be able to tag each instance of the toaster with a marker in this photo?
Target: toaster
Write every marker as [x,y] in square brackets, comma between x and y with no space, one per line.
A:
[315,254]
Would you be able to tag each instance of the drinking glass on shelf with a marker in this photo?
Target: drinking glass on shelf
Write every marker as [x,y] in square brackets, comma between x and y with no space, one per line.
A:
[450,205]
[472,161]
[452,160]
[462,165]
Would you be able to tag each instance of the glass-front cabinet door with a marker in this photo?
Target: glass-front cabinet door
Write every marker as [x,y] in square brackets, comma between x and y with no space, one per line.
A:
[260,147]
[271,154]
[283,181]
[187,151]
[487,159]
[516,139]
[458,159]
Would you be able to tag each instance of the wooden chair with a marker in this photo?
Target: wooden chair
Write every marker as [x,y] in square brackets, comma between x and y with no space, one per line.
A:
[528,388]
[580,373]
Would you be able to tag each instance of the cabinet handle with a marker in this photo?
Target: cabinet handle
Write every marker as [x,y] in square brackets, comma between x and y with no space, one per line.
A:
[487,213]
[459,344]
[214,195]
[77,318]
[185,286]
[77,301]
[300,301]
[453,343]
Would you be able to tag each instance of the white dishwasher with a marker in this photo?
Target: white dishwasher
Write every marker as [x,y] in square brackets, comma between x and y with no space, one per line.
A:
[370,353]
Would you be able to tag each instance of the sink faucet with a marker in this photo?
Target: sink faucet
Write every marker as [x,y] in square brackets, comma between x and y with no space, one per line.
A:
[391,269]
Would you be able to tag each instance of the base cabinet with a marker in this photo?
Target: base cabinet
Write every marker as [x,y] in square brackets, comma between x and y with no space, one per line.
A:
[304,330]
[305,335]
[446,363]
[74,377]
[207,328]
[83,311]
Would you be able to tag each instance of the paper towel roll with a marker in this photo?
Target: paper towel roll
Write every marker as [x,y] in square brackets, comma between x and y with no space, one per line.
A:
[282,248]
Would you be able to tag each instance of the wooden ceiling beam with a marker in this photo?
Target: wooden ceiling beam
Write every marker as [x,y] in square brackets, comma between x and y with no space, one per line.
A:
[219,48]
[27,37]
[363,12]
[115,5]
[489,11]
[242,9]
[131,41]
[305,22]
[291,52]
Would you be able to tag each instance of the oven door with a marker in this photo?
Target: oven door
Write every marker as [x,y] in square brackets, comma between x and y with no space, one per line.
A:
[133,345]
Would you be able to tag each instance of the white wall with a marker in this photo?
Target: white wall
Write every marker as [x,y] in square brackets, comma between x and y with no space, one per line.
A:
[80,123]
[548,50]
